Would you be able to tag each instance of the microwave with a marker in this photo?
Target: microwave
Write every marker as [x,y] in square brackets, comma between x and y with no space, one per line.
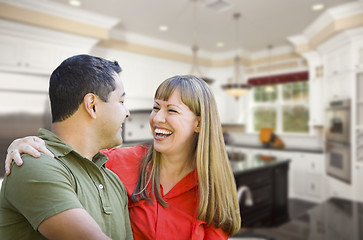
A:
[337,125]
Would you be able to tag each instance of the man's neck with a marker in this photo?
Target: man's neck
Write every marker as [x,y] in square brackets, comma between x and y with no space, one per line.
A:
[78,136]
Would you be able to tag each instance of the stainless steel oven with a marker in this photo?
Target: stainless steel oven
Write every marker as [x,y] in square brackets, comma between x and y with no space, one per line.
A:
[338,161]
[338,121]
[337,132]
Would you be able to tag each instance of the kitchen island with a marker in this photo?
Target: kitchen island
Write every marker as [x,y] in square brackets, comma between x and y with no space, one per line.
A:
[262,181]
[334,219]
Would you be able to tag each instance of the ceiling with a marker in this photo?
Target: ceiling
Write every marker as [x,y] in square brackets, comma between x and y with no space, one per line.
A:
[262,22]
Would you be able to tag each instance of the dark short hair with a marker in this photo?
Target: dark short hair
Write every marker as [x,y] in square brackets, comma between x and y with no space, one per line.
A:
[77,76]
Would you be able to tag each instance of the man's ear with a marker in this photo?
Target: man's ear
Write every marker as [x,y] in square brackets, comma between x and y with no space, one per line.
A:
[89,104]
[197,128]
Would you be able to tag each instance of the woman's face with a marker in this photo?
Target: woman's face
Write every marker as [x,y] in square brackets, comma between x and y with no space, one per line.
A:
[174,126]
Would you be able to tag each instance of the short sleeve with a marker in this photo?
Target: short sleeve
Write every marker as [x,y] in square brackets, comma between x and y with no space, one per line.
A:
[40,188]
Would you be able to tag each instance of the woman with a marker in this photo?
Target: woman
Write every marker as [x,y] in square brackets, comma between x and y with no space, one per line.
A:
[181,187]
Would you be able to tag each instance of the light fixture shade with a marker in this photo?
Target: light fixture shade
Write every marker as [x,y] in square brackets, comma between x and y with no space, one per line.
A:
[236,90]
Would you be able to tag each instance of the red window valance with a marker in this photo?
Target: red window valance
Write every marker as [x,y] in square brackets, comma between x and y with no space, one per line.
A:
[280,78]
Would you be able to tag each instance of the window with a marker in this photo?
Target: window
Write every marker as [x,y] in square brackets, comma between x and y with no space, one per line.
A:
[282,106]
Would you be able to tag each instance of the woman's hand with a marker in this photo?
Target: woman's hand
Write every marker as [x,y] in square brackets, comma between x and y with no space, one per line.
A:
[30,145]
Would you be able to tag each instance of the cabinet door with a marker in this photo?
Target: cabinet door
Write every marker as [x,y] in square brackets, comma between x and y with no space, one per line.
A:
[38,56]
[359,182]
[297,179]
[314,186]
[315,171]
[280,212]
[316,106]
[9,56]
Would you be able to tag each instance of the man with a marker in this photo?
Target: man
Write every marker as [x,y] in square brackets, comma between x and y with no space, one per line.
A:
[72,196]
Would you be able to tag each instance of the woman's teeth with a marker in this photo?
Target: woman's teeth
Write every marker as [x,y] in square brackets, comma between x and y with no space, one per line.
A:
[162,132]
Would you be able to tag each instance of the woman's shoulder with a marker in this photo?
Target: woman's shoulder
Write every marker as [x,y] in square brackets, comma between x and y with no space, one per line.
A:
[125,159]
[125,154]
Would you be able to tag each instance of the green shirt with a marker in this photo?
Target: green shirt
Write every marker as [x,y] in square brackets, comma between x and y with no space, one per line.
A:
[46,186]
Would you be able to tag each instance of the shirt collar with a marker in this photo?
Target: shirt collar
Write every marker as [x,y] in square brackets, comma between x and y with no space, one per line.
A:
[61,149]
[189,182]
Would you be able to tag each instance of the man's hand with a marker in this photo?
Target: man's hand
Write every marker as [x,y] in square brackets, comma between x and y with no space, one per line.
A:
[31,145]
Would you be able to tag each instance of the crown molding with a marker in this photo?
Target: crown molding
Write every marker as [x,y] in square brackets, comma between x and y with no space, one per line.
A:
[343,38]
[67,12]
[23,31]
[332,15]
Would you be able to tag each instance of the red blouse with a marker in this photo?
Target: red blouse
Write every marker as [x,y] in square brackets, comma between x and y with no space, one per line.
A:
[151,220]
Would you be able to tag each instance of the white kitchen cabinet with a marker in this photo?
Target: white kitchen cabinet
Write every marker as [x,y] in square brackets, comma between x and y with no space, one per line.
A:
[306,172]
[306,180]
[359,182]
[21,55]
[339,60]
[30,56]
[338,86]
[316,98]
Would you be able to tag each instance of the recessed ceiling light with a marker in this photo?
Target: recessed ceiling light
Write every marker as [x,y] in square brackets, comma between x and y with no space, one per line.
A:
[163,28]
[317,7]
[75,3]
[220,44]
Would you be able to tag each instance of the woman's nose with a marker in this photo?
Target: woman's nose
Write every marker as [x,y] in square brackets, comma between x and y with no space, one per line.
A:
[159,116]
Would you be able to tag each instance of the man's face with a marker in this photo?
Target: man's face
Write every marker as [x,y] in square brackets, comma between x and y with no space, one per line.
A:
[112,115]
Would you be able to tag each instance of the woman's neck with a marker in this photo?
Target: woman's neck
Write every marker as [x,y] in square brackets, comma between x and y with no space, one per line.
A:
[174,169]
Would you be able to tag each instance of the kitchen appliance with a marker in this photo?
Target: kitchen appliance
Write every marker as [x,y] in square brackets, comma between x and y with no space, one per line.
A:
[338,161]
[338,131]
[338,121]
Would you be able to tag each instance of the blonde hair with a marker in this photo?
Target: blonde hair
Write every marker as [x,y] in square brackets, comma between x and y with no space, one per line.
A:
[218,202]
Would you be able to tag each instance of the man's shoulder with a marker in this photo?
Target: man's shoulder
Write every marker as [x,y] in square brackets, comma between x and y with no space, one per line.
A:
[44,161]
[43,167]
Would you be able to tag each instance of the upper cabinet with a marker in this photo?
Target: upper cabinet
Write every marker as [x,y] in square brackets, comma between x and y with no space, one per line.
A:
[338,61]
[25,56]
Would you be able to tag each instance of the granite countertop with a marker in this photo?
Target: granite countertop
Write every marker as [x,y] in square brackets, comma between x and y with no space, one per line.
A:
[334,219]
[277,149]
[251,162]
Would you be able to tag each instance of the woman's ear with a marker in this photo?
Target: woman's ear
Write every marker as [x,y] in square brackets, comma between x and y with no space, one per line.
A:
[197,128]
[89,104]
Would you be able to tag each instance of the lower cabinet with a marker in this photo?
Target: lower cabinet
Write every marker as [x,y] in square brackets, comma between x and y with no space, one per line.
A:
[269,190]
[307,172]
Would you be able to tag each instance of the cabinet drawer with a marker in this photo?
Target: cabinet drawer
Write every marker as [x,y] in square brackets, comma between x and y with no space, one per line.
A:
[255,180]
[261,217]
[314,185]
[261,197]
[315,165]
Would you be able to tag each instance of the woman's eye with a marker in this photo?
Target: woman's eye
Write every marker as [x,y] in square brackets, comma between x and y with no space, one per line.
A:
[173,111]
[156,108]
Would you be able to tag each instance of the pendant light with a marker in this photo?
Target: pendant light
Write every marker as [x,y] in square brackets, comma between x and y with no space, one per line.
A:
[195,70]
[235,87]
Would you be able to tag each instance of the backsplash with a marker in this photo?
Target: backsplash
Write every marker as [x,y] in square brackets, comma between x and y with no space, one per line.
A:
[306,142]
[136,128]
